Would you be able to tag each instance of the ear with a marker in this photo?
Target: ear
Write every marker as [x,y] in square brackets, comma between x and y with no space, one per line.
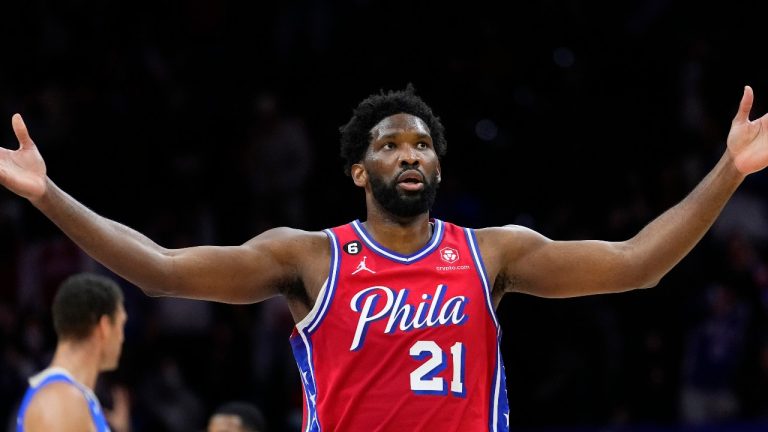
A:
[439,178]
[359,175]
[105,325]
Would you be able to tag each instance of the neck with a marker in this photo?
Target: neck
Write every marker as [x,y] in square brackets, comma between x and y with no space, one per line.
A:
[81,359]
[402,235]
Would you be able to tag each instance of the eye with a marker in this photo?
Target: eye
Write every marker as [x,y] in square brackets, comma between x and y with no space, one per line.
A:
[388,145]
[421,145]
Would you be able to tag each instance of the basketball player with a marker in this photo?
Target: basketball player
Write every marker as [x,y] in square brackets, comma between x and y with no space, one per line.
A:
[88,317]
[395,314]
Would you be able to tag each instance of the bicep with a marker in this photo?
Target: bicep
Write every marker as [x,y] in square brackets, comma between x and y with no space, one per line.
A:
[575,268]
[549,268]
[247,273]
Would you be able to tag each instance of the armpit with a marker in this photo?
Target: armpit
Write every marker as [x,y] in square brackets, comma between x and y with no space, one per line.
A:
[294,290]
[504,283]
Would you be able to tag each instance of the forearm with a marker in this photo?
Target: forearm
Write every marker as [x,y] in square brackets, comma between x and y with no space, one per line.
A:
[664,242]
[120,248]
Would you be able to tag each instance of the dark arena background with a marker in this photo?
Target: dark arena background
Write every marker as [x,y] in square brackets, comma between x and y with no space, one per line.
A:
[208,122]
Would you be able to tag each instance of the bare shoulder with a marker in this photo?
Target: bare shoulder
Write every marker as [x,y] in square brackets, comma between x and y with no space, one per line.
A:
[58,406]
[303,254]
[291,237]
[292,244]
[502,247]
[509,240]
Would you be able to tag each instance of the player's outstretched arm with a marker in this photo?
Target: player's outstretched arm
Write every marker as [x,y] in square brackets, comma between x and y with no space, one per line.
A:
[236,274]
[534,264]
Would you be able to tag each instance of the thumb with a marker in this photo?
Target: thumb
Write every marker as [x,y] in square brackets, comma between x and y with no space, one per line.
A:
[20,129]
[742,116]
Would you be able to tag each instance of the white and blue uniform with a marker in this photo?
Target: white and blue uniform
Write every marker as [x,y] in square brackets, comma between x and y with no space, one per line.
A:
[57,374]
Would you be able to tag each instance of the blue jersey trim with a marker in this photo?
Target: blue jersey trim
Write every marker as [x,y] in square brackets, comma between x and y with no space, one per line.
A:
[437,237]
[330,287]
[481,273]
[302,342]
[499,407]
[302,351]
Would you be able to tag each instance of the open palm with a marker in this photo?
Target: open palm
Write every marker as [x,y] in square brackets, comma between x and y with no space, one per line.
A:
[23,170]
[748,139]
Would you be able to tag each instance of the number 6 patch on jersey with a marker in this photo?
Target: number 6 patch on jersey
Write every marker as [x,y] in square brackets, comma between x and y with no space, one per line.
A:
[352,248]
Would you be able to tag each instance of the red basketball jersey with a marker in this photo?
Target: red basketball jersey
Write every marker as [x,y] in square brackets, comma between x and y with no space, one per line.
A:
[402,343]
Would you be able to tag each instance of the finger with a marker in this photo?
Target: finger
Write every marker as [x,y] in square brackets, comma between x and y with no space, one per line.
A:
[20,129]
[745,106]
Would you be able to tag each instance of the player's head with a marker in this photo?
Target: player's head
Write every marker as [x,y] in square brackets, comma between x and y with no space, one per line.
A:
[356,134]
[389,135]
[89,307]
[237,416]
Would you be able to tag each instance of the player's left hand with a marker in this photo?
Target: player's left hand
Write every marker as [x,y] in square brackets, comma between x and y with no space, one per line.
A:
[748,139]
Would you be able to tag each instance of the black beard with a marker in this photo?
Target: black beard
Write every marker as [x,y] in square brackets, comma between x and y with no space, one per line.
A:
[404,204]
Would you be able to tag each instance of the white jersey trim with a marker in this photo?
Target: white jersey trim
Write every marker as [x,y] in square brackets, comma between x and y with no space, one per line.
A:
[315,309]
[37,379]
[324,297]
[310,322]
[487,291]
[437,237]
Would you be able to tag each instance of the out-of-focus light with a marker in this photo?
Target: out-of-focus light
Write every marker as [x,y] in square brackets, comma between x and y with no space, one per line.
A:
[486,130]
[563,57]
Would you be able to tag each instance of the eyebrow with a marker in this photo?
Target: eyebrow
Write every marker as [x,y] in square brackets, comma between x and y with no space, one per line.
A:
[394,134]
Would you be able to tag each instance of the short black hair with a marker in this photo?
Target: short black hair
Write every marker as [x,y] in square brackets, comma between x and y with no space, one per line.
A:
[250,415]
[356,134]
[80,302]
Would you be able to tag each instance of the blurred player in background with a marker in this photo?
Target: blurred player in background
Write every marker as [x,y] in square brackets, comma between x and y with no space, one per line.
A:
[88,317]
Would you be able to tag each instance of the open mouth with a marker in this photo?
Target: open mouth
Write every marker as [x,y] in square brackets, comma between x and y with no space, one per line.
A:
[411,180]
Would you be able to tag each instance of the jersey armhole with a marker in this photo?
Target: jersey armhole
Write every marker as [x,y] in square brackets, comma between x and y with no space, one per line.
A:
[481,273]
[323,302]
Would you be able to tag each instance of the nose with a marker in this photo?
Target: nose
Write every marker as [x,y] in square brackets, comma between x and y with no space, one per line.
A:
[410,157]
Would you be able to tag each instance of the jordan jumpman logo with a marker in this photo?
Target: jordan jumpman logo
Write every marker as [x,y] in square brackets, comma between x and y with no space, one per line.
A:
[362,266]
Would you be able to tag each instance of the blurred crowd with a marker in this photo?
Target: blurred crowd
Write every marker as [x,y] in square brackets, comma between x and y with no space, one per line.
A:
[213,122]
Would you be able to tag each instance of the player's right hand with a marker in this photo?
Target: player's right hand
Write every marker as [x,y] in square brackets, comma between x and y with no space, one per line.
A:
[22,171]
